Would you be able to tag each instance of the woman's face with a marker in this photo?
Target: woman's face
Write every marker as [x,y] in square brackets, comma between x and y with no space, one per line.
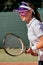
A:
[25,15]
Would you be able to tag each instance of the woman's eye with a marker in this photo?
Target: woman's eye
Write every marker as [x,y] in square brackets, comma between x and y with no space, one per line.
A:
[21,12]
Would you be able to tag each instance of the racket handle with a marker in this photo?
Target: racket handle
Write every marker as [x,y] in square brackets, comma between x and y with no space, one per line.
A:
[28,50]
[25,50]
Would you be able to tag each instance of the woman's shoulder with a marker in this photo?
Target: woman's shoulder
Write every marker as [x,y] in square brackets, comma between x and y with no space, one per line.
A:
[36,23]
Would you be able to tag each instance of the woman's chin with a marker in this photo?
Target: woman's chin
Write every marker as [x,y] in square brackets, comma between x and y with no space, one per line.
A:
[23,19]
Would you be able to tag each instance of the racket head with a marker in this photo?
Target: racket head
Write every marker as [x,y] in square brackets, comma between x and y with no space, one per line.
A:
[11,48]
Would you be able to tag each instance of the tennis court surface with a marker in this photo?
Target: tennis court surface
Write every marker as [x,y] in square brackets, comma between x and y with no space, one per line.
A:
[18,63]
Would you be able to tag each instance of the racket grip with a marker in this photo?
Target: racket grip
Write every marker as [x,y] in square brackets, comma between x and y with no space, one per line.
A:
[28,50]
[25,50]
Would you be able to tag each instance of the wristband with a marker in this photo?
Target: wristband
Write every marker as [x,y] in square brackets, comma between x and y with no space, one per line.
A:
[40,53]
[34,48]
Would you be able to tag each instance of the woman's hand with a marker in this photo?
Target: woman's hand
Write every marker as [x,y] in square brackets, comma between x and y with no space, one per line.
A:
[30,51]
[34,53]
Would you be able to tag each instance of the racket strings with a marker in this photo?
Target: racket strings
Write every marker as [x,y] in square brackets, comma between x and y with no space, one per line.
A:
[13,45]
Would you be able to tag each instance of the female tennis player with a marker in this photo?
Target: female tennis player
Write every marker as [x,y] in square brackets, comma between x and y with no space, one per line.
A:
[31,16]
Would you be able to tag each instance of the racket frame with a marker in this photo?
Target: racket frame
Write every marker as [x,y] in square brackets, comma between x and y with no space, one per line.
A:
[22,43]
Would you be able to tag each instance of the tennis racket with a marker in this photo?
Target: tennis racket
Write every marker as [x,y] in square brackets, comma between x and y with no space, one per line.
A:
[13,45]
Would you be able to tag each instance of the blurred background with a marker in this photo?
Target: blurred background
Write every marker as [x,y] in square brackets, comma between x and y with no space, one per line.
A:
[10,20]
[10,5]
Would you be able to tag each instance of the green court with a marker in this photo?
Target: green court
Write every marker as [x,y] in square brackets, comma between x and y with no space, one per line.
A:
[22,58]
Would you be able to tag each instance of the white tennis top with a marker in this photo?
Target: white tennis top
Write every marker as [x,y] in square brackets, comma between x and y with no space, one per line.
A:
[35,30]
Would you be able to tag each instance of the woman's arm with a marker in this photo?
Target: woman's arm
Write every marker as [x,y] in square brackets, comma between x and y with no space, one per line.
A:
[36,47]
[39,44]
[34,53]
[30,51]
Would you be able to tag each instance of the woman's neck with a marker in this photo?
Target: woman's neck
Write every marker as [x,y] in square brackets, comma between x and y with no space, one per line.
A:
[29,20]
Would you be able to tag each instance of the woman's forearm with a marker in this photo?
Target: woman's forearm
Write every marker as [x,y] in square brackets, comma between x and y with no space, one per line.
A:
[39,45]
